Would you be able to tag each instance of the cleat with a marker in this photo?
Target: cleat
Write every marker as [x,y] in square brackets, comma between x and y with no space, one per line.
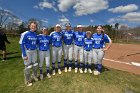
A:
[81,71]
[35,78]
[41,76]
[76,70]
[69,69]
[90,71]
[59,71]
[4,59]
[66,69]
[96,72]
[28,83]
[85,70]
[53,73]
[48,75]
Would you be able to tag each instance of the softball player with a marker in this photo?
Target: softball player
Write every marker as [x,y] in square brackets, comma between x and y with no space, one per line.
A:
[44,42]
[56,37]
[29,54]
[99,41]
[88,43]
[68,46]
[78,47]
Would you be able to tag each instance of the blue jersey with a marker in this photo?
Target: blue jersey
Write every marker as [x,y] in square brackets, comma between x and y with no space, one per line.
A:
[68,37]
[98,41]
[79,38]
[88,44]
[43,42]
[28,41]
[56,38]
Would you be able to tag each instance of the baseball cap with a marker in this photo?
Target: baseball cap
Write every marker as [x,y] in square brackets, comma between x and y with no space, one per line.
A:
[67,24]
[79,26]
[57,25]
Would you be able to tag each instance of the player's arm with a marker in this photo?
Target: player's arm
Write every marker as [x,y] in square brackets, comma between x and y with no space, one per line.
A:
[22,46]
[74,35]
[51,36]
[84,42]
[84,34]
[50,41]
[109,41]
[37,42]
[5,39]
[62,34]
[92,41]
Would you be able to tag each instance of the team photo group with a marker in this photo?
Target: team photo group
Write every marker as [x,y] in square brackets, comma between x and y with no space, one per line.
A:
[81,48]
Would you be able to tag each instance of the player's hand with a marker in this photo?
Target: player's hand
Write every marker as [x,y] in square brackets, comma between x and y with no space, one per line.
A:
[25,58]
[105,49]
[103,30]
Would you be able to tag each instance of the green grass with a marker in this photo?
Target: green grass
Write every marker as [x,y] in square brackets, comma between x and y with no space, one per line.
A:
[111,81]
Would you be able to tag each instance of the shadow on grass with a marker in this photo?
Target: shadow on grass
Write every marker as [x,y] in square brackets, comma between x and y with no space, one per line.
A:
[10,53]
[13,57]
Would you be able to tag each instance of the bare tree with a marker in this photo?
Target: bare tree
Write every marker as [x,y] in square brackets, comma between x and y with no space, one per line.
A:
[7,16]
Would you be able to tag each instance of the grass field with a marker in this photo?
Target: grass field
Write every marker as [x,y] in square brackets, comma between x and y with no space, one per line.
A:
[110,81]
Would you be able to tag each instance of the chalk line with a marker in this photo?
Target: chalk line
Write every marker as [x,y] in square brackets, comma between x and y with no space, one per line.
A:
[121,62]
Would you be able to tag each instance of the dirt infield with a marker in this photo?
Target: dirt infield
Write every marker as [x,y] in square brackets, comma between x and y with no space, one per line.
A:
[124,57]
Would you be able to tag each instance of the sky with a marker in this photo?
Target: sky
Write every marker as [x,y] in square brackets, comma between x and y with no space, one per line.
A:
[85,12]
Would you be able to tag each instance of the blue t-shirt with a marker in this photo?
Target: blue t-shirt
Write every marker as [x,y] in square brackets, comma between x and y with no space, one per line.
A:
[88,44]
[28,40]
[56,38]
[79,38]
[98,42]
[68,37]
[43,42]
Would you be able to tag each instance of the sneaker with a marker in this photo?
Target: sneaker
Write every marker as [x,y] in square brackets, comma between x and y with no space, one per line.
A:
[76,70]
[69,69]
[48,75]
[85,70]
[35,78]
[59,71]
[65,69]
[81,71]
[41,76]
[28,83]
[53,72]
[96,72]
[3,59]
[90,71]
